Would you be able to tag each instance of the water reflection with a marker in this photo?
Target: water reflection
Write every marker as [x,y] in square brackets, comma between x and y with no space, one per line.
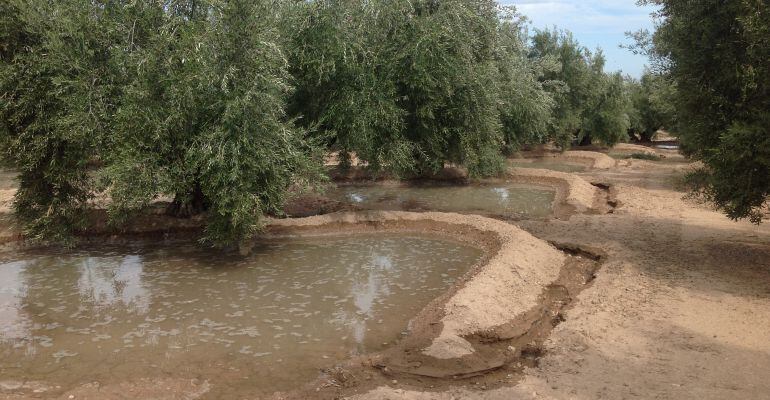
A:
[500,199]
[368,288]
[502,193]
[110,283]
[289,309]
[356,197]
[14,325]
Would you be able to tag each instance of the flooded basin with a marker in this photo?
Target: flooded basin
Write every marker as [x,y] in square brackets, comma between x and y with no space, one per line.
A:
[500,199]
[551,163]
[247,326]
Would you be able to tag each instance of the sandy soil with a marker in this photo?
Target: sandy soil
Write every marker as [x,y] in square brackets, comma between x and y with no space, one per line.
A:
[6,200]
[679,310]
[629,148]
[588,157]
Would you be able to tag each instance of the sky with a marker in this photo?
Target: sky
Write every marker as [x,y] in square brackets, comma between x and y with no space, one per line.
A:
[594,23]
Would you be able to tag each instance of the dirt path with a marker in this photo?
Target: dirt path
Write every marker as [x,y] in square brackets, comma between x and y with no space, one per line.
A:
[680,309]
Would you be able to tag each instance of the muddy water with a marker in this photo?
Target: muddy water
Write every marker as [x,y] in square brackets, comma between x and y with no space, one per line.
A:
[553,165]
[504,199]
[247,326]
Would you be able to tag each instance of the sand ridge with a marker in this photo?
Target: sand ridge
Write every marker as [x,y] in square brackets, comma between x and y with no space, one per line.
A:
[595,159]
[571,190]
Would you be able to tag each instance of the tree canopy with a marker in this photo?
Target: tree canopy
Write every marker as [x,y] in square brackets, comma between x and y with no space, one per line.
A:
[526,106]
[180,99]
[653,107]
[60,80]
[205,121]
[590,104]
[406,85]
[718,55]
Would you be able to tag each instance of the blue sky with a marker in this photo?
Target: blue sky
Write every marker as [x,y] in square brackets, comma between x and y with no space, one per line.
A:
[595,23]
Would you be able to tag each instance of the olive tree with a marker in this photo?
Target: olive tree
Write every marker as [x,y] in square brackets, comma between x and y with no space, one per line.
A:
[406,85]
[718,55]
[345,93]
[652,105]
[60,82]
[605,116]
[590,103]
[181,99]
[205,120]
[568,82]
[525,106]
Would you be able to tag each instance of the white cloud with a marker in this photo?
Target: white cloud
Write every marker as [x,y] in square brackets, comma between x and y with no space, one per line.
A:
[595,23]
[593,16]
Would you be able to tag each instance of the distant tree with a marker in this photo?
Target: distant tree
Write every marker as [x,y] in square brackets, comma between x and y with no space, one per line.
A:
[718,55]
[652,105]
[590,104]
[569,83]
[605,117]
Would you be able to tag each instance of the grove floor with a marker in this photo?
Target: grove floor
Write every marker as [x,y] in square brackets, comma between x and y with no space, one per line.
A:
[679,310]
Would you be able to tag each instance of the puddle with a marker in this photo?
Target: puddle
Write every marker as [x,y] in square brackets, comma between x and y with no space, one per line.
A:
[500,199]
[247,325]
[550,164]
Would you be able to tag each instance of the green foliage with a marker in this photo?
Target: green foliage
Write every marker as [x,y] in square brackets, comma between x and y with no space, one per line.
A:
[59,81]
[718,54]
[606,114]
[652,99]
[183,99]
[343,89]
[568,82]
[525,106]
[406,85]
[222,105]
[589,102]
[204,121]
